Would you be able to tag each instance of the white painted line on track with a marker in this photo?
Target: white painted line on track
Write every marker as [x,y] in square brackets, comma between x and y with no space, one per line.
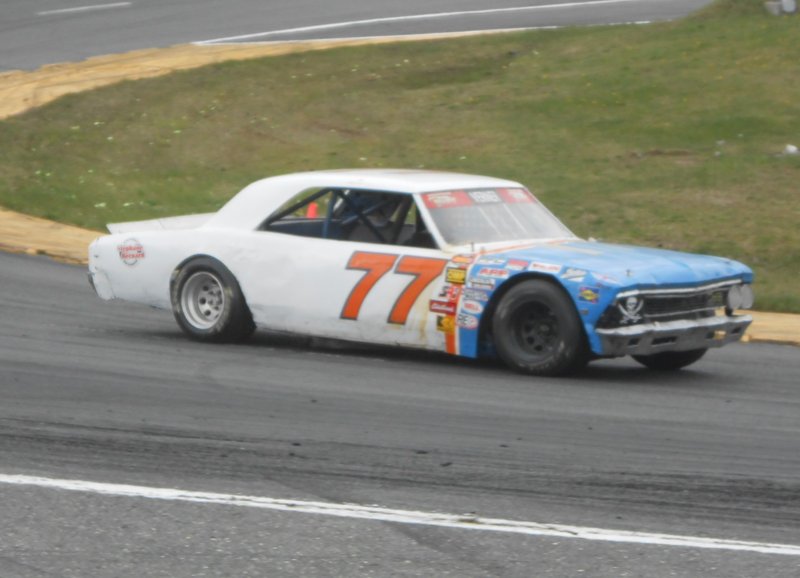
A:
[424,36]
[84,8]
[432,16]
[374,513]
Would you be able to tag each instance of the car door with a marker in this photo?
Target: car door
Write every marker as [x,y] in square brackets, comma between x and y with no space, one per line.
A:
[368,290]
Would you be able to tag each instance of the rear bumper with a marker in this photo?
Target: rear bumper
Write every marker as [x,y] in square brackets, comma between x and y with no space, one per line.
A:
[97,277]
[656,337]
[100,283]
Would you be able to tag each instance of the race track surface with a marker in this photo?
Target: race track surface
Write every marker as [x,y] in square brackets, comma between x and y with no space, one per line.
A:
[112,393]
[109,392]
[34,33]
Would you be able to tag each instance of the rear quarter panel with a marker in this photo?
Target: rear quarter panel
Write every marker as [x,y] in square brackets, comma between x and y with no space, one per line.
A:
[137,267]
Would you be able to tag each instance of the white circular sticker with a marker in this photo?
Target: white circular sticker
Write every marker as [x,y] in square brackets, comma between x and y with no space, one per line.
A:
[131,251]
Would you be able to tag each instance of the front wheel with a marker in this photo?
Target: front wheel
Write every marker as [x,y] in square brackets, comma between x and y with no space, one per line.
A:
[537,330]
[208,303]
[670,360]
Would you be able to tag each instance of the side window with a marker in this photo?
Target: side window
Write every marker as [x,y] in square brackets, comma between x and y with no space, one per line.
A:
[372,217]
[304,215]
[351,215]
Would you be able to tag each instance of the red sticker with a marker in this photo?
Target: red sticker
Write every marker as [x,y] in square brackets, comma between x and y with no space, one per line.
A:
[491,272]
[445,307]
[447,199]
[516,196]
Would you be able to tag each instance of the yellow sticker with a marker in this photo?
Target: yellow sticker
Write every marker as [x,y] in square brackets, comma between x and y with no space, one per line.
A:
[446,324]
[456,275]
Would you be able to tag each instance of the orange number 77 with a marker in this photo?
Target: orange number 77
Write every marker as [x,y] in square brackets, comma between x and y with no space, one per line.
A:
[423,269]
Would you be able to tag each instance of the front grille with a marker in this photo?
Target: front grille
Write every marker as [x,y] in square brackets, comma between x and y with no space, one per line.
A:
[672,307]
[663,305]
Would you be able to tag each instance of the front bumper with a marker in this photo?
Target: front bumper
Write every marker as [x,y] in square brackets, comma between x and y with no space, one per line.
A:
[649,338]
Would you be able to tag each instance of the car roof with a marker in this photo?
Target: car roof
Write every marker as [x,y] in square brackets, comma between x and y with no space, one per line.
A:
[259,199]
[398,180]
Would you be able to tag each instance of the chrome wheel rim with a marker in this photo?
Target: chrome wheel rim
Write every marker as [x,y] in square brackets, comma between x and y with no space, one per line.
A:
[203,300]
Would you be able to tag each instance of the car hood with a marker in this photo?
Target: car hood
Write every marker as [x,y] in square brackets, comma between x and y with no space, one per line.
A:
[625,265]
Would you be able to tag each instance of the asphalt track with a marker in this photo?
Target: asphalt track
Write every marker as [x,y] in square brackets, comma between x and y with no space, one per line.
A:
[107,392]
[38,32]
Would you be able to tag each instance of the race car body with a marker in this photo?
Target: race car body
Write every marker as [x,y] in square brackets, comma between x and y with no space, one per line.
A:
[474,266]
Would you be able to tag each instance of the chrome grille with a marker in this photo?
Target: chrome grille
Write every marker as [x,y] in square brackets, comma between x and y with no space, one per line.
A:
[667,305]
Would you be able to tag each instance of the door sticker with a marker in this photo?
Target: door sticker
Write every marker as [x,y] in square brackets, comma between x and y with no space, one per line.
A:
[423,270]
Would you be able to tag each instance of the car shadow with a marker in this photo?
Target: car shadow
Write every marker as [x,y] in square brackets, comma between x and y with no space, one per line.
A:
[618,371]
[612,371]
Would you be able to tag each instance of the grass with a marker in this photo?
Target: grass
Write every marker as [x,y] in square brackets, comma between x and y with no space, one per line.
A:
[665,135]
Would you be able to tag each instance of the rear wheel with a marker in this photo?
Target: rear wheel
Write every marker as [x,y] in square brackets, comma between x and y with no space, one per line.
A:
[208,303]
[537,330]
[670,360]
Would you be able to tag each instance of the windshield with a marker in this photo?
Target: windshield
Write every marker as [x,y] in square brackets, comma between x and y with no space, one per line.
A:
[491,216]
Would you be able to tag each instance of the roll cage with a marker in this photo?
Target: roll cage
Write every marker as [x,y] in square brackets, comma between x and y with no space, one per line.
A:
[352,215]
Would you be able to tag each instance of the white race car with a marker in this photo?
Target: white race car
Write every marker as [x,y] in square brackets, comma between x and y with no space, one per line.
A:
[470,265]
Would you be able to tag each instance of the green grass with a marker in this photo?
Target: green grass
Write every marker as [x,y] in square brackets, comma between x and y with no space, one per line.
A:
[664,135]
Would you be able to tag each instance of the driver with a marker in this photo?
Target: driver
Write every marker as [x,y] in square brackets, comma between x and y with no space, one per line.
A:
[378,209]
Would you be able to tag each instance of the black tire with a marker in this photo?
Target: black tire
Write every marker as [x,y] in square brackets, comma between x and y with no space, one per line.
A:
[537,330]
[208,303]
[670,360]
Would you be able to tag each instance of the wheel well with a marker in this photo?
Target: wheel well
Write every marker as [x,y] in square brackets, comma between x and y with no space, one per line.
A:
[176,271]
[235,320]
[485,328]
[216,262]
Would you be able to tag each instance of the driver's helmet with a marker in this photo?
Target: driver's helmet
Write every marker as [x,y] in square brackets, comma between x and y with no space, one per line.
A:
[378,208]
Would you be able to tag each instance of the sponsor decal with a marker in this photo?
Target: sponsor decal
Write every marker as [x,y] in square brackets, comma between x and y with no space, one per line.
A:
[482,284]
[450,292]
[467,321]
[516,196]
[375,265]
[471,306]
[446,307]
[544,267]
[447,199]
[463,259]
[493,272]
[630,309]
[589,294]
[491,261]
[131,251]
[517,264]
[475,295]
[446,324]
[454,275]
[574,275]
[487,196]
[605,279]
